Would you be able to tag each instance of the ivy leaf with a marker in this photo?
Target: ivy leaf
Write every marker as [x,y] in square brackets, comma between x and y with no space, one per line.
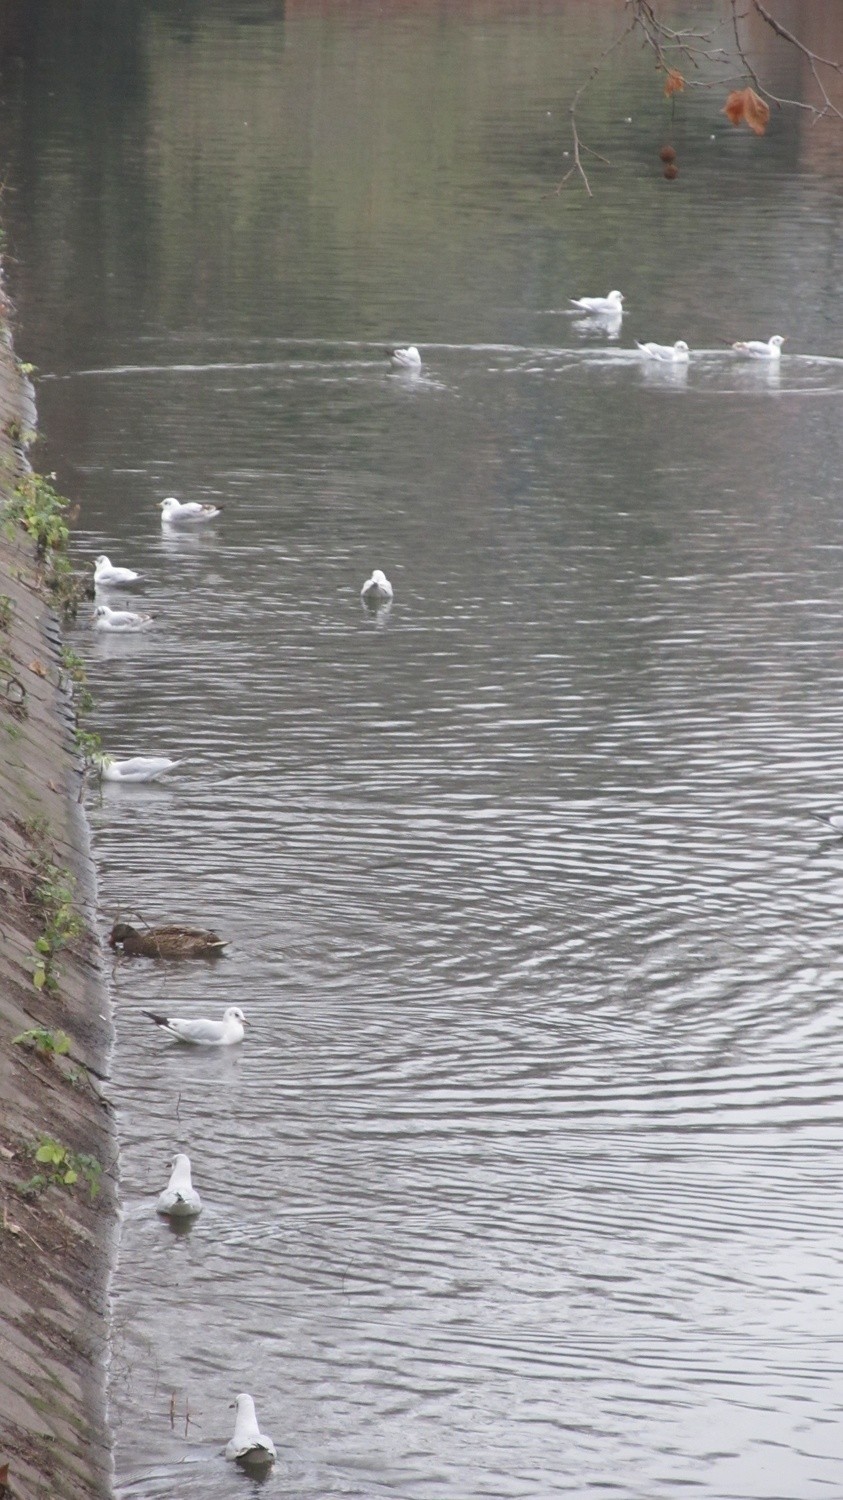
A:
[745,107]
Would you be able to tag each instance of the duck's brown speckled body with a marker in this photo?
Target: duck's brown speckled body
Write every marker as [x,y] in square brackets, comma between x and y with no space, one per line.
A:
[168,941]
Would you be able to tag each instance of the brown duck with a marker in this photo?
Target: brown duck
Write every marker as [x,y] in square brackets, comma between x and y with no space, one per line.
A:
[167,941]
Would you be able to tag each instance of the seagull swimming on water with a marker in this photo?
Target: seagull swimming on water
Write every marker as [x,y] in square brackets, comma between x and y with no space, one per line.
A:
[174,512]
[204,1033]
[757,349]
[106,618]
[377,589]
[180,1199]
[136,768]
[105,573]
[406,358]
[610,306]
[676,354]
[249,1446]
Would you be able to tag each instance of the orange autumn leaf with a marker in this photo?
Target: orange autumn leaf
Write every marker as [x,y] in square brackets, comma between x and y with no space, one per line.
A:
[745,107]
[674,83]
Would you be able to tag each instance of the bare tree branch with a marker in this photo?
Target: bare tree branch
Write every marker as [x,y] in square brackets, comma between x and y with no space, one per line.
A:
[813,60]
[693,48]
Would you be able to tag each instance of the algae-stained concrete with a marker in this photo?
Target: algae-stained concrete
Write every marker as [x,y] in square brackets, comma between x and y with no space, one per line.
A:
[55,1244]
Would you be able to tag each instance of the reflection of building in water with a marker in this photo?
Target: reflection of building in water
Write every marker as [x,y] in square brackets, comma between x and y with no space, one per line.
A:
[787,73]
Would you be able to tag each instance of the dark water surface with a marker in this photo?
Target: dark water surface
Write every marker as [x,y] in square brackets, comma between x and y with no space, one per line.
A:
[527,1180]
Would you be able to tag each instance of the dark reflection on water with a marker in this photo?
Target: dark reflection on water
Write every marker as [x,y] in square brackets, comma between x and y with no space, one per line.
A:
[526,1181]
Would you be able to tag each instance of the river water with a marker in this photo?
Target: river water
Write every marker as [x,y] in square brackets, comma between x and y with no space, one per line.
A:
[526,1181]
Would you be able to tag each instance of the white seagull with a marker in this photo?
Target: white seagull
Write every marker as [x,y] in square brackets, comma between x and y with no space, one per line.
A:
[676,354]
[174,512]
[180,1199]
[105,573]
[757,349]
[222,1033]
[610,306]
[407,358]
[136,768]
[106,618]
[377,589]
[249,1446]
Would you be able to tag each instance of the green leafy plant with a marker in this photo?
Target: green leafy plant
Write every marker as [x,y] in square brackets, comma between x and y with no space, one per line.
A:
[7,610]
[44,1041]
[62,1167]
[75,669]
[53,895]
[88,744]
[41,511]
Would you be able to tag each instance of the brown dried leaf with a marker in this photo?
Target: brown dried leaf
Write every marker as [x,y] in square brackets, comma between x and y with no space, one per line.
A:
[38,667]
[674,83]
[744,106]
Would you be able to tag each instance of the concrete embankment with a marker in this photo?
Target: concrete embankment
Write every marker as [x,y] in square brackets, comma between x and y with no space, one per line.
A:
[55,1237]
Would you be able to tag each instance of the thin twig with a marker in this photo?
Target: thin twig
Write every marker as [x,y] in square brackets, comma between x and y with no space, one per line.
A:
[579,146]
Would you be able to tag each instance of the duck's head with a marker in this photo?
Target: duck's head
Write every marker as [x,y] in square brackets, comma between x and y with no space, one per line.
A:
[120,932]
